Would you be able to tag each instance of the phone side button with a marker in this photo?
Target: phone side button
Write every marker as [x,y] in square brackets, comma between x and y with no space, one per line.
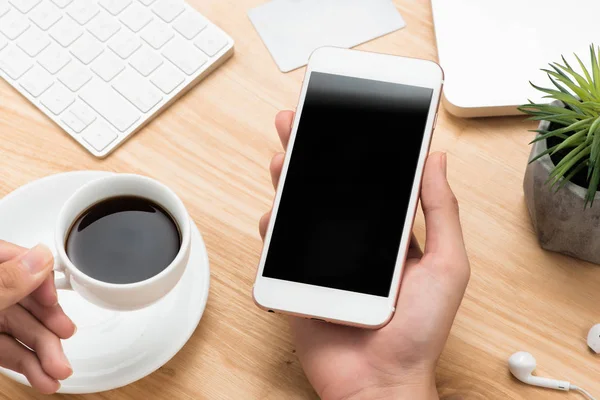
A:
[435,121]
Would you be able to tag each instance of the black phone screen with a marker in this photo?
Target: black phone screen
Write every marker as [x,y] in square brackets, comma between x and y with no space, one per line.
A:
[348,185]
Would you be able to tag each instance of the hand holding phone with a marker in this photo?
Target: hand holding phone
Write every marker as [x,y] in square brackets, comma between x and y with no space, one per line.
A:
[397,361]
[343,213]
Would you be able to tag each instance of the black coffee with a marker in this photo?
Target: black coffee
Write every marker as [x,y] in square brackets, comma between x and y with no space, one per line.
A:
[123,240]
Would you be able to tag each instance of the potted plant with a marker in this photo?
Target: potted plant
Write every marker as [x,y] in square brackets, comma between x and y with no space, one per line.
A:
[563,174]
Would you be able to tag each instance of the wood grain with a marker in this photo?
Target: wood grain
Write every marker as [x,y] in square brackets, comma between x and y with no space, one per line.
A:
[213,148]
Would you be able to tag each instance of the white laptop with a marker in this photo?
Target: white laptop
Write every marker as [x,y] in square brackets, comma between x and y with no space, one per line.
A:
[491,49]
[102,69]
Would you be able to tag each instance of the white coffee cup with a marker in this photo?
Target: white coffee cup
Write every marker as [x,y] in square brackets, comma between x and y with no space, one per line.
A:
[130,296]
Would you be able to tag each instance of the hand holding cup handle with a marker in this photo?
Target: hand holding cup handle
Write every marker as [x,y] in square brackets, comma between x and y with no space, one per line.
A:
[28,298]
[60,278]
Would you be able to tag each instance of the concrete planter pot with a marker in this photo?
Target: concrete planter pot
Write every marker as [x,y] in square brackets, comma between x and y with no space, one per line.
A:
[559,218]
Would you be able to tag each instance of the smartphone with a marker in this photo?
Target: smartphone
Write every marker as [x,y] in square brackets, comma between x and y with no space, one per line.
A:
[343,211]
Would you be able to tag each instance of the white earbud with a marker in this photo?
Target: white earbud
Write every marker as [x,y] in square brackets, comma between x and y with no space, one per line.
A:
[593,338]
[522,365]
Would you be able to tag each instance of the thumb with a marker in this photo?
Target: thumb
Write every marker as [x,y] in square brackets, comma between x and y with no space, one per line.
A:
[440,207]
[23,274]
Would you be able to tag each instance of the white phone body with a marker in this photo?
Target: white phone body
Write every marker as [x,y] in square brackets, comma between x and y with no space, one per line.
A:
[334,305]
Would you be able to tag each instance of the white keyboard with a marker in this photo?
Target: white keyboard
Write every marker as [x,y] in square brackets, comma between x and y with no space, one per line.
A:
[102,69]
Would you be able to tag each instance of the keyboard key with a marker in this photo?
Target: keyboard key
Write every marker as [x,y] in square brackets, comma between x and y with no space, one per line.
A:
[185,56]
[53,58]
[33,41]
[136,16]
[137,90]
[211,41]
[74,76]
[124,43]
[103,27]
[114,6]
[66,31]
[36,81]
[190,24]
[24,5]
[62,3]
[57,98]
[83,11]
[83,112]
[72,122]
[45,15]
[4,7]
[168,10]
[86,48]
[14,61]
[79,116]
[157,33]
[167,78]
[107,66]
[147,2]
[13,24]
[145,61]
[109,104]
[3,42]
[99,135]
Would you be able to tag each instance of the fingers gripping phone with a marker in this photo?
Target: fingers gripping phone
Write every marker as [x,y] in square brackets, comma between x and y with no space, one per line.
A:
[343,212]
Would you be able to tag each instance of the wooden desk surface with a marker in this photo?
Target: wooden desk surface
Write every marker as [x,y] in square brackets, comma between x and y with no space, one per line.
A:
[213,148]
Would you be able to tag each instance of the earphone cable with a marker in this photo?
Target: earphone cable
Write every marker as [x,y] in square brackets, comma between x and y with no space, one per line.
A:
[583,391]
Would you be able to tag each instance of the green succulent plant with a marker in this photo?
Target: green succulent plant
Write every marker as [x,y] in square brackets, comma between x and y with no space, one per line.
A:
[577,125]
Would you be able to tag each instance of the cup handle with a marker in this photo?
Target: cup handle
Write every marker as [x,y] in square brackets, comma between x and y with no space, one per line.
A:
[60,280]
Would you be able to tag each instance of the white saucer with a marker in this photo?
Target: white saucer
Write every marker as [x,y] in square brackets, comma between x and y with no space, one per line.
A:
[110,349]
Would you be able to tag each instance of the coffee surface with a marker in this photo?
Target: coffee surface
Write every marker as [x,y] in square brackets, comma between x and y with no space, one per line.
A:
[123,240]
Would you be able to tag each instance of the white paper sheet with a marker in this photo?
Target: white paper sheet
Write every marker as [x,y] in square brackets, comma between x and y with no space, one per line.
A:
[293,29]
